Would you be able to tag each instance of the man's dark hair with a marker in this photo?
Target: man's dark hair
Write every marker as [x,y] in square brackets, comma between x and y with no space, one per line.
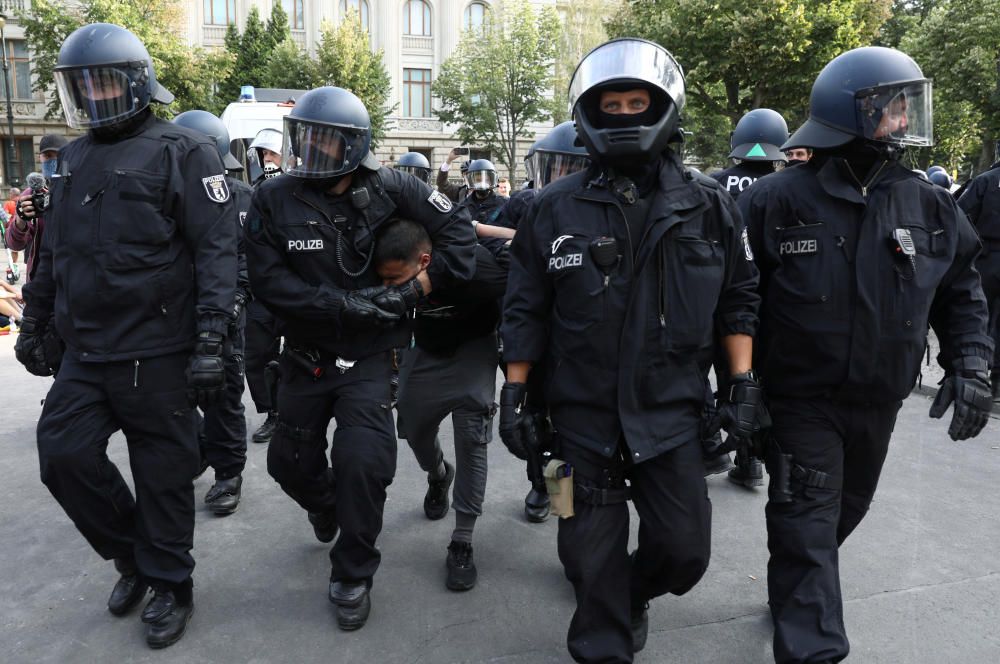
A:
[401,240]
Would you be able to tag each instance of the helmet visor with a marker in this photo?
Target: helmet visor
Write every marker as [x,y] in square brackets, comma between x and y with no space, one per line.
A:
[896,113]
[481,180]
[418,172]
[95,96]
[550,166]
[629,59]
[312,150]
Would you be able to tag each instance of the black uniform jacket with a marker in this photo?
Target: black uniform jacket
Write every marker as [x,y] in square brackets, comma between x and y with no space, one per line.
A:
[628,355]
[981,201]
[845,313]
[139,250]
[299,242]
[449,317]
[242,194]
[738,178]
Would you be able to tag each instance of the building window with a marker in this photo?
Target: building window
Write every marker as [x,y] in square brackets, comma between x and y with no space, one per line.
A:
[417,18]
[20,69]
[296,17]
[220,12]
[474,15]
[360,6]
[24,160]
[417,93]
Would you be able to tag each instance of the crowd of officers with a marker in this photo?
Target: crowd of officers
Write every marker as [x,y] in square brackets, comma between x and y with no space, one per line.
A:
[809,289]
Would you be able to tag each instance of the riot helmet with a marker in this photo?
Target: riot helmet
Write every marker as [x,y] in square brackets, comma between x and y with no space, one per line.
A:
[529,166]
[873,93]
[934,169]
[759,136]
[623,65]
[104,76]
[940,178]
[558,154]
[210,125]
[416,165]
[481,175]
[270,140]
[327,135]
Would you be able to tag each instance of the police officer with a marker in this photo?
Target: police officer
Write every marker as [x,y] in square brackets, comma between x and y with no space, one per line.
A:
[416,165]
[223,437]
[857,255]
[619,277]
[263,330]
[756,148]
[455,192]
[266,150]
[557,154]
[136,275]
[982,205]
[310,246]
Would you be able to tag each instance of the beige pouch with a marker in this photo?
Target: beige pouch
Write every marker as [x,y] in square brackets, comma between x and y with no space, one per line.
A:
[559,483]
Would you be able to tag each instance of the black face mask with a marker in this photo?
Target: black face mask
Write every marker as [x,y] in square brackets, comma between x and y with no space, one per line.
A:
[119,130]
[323,185]
[622,120]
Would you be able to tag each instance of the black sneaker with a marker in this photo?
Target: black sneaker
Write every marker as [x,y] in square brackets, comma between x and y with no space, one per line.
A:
[353,601]
[462,572]
[436,501]
[266,430]
[224,496]
[749,472]
[639,622]
[324,525]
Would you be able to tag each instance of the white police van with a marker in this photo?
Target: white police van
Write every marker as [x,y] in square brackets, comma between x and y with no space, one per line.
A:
[260,108]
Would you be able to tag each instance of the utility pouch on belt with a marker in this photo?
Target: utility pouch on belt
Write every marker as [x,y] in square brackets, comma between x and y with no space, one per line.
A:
[559,482]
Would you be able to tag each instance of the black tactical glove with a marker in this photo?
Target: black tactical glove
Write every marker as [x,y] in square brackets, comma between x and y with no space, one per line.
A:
[400,300]
[39,347]
[741,411]
[206,371]
[969,389]
[516,423]
[360,311]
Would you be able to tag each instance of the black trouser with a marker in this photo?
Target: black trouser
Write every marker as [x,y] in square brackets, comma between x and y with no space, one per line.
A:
[849,443]
[988,265]
[675,516]
[362,456]
[147,401]
[263,341]
[223,437]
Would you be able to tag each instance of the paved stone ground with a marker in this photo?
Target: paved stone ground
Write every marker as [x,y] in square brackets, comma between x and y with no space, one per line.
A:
[921,577]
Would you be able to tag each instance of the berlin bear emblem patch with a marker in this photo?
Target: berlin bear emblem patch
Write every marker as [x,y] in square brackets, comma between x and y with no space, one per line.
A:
[216,188]
[439,201]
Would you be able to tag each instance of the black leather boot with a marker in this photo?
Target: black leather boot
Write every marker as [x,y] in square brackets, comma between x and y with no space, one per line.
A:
[266,430]
[224,496]
[129,590]
[166,618]
[353,603]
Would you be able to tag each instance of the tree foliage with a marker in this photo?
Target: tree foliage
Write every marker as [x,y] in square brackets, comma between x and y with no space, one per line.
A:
[956,46]
[189,73]
[744,54]
[344,58]
[499,78]
[251,52]
[582,30]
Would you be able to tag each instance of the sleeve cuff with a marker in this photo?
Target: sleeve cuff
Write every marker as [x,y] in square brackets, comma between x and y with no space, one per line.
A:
[216,323]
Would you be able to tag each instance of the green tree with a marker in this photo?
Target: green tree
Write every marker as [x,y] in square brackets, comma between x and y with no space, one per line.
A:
[190,74]
[743,54]
[291,67]
[345,59]
[251,52]
[499,79]
[277,28]
[582,30]
[956,46]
